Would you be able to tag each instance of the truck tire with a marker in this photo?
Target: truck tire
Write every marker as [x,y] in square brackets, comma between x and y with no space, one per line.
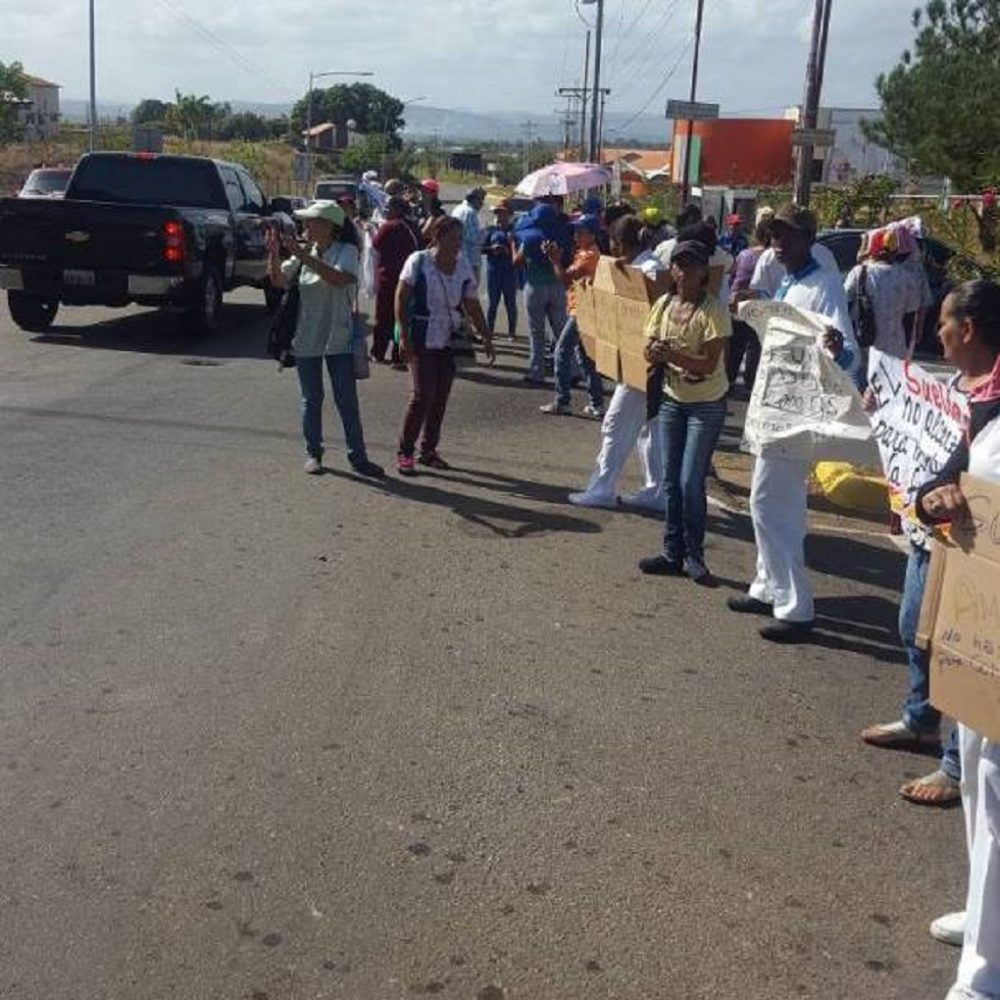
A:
[31,312]
[272,296]
[204,316]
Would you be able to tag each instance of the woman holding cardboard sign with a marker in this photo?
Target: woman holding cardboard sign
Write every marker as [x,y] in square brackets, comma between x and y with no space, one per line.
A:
[970,326]
[687,334]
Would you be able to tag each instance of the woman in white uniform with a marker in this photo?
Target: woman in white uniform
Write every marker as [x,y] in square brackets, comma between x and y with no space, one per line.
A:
[625,425]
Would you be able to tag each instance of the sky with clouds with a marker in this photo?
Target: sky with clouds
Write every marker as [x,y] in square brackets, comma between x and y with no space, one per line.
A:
[507,55]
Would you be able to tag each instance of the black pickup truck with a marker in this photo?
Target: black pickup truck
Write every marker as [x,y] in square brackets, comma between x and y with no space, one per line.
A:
[171,231]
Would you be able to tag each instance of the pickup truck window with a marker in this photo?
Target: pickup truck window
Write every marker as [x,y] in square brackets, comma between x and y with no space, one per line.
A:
[254,201]
[234,193]
[133,180]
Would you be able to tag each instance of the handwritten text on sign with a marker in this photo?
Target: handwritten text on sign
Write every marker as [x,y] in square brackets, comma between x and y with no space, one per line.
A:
[803,406]
[918,422]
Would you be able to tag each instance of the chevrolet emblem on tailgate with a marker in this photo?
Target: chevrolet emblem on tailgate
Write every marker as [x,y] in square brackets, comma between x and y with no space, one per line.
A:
[78,236]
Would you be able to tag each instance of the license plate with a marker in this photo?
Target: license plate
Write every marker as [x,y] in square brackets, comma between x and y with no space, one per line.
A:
[72,276]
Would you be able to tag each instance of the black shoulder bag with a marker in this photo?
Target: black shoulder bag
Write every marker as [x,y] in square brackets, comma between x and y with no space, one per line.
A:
[281,332]
[863,312]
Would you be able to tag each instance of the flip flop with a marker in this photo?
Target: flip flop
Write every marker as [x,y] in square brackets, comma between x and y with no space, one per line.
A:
[934,789]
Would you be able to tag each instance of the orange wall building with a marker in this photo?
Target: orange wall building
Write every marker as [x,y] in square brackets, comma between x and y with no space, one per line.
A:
[737,152]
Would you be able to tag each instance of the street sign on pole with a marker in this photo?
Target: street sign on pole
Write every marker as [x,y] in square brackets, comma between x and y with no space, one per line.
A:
[692,111]
[813,137]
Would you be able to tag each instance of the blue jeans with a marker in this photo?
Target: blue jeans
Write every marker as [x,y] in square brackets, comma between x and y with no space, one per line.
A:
[544,302]
[690,432]
[568,346]
[501,283]
[345,397]
[918,713]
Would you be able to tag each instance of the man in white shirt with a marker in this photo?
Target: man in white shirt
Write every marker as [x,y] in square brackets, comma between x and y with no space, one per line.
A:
[781,588]
[472,231]
[769,272]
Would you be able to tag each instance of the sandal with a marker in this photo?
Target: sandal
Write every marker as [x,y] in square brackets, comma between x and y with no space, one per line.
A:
[934,789]
[899,736]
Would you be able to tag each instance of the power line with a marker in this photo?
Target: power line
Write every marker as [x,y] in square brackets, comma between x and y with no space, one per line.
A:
[648,44]
[656,93]
[622,34]
[222,46]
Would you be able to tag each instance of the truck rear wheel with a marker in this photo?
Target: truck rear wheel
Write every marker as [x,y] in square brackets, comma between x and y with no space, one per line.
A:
[31,312]
[204,315]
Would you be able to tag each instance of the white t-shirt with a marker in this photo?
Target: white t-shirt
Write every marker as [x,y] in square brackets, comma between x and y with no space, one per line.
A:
[445,294]
[769,272]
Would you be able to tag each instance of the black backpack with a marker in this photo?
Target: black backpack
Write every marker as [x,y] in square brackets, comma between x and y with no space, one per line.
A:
[863,312]
[281,332]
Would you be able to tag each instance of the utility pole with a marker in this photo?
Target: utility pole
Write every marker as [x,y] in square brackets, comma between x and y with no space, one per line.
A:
[567,119]
[583,94]
[595,99]
[92,137]
[686,180]
[810,98]
[600,126]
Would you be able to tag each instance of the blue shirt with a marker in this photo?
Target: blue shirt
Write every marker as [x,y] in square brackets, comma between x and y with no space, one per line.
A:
[498,263]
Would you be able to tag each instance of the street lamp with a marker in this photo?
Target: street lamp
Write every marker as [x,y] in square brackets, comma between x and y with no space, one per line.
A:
[309,109]
[385,130]
[93,84]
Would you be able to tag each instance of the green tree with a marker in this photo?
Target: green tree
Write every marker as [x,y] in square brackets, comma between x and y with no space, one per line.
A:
[374,111]
[190,115]
[941,103]
[149,111]
[13,90]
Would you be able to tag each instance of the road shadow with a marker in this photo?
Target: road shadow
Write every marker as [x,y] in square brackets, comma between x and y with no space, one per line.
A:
[867,625]
[243,335]
[484,517]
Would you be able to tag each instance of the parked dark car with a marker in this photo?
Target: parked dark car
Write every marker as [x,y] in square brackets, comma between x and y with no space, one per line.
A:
[46,182]
[944,266]
[171,231]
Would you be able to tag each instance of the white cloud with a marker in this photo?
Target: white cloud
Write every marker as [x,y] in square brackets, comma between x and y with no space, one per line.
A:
[453,52]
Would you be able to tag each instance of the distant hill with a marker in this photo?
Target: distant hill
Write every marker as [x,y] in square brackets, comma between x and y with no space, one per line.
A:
[443,124]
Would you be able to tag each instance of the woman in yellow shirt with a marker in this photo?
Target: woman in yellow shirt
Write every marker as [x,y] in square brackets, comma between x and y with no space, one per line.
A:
[687,334]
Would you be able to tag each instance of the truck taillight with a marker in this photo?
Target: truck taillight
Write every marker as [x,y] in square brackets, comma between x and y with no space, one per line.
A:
[173,242]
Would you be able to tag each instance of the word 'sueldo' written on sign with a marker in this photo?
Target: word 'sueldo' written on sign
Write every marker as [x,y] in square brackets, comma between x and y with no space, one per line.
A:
[918,422]
[803,405]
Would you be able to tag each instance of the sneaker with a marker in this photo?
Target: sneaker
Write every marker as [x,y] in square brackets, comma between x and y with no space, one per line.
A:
[643,500]
[434,461]
[700,574]
[556,409]
[788,632]
[313,466]
[592,500]
[744,604]
[369,469]
[949,929]
[660,566]
[405,465]
[594,412]
[898,735]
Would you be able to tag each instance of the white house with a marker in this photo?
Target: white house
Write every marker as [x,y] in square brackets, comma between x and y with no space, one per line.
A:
[39,114]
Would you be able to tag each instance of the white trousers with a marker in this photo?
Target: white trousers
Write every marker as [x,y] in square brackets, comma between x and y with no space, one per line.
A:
[979,967]
[778,509]
[625,427]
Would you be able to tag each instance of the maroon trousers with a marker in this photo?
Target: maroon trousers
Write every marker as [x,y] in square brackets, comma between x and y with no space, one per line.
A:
[385,319]
[431,376]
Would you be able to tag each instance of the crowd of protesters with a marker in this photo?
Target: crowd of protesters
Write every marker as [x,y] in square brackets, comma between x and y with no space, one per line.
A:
[425,266]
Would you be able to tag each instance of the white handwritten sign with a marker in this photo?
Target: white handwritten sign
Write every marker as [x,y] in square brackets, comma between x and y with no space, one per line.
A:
[803,405]
[918,422]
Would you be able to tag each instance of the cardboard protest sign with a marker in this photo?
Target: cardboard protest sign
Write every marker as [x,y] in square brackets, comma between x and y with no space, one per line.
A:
[918,422]
[804,406]
[611,316]
[960,614]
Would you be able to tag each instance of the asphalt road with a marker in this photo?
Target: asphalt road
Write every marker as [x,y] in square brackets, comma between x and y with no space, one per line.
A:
[264,735]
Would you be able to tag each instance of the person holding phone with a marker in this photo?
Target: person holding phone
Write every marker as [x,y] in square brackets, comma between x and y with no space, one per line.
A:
[326,268]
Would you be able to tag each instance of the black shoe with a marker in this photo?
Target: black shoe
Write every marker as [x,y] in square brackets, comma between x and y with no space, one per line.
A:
[660,566]
[369,469]
[786,631]
[744,604]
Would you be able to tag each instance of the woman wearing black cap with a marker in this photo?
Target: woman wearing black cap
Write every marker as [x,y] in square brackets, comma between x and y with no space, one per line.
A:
[687,333]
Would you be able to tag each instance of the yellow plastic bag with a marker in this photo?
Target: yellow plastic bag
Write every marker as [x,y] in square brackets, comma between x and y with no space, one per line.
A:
[852,488]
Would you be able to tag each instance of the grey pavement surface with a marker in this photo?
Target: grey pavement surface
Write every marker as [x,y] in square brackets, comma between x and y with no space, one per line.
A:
[264,735]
